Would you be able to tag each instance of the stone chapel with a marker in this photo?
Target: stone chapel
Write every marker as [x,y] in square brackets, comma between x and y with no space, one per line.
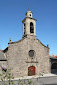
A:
[28,56]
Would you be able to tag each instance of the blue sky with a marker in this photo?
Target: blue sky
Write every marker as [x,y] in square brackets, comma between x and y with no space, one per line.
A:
[12,12]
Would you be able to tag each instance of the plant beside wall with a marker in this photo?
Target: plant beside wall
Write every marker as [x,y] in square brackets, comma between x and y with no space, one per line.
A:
[6,76]
[3,69]
[8,79]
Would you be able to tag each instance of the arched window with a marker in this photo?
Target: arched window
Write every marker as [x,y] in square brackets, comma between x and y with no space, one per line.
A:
[31,27]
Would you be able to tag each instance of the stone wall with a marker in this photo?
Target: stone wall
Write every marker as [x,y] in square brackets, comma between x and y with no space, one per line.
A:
[3,64]
[18,58]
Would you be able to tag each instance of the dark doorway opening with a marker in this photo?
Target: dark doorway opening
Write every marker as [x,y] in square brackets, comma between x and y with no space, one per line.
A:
[54,68]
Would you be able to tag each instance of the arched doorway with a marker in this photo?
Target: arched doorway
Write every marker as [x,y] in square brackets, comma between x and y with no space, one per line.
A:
[54,68]
[31,70]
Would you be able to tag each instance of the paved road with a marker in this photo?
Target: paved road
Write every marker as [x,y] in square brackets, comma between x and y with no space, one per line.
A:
[50,80]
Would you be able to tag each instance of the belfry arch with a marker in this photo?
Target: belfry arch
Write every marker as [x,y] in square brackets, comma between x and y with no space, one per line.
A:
[31,27]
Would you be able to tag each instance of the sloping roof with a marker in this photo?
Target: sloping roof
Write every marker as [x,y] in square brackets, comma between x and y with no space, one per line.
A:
[52,58]
[16,41]
[1,50]
[2,56]
[28,17]
[55,56]
[22,40]
[5,50]
[43,44]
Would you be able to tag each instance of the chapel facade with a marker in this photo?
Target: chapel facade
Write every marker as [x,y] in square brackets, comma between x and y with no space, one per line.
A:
[27,56]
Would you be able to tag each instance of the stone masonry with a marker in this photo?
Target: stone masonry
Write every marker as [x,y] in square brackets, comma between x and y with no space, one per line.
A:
[18,59]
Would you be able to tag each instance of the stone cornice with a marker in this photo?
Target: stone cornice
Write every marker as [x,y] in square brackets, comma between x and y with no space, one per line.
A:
[16,41]
[31,62]
[28,17]
[43,44]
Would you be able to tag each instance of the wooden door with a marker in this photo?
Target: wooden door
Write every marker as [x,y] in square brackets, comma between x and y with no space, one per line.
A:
[31,70]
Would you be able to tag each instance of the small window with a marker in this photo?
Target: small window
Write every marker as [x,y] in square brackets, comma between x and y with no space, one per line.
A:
[24,24]
[24,28]
[30,14]
[31,53]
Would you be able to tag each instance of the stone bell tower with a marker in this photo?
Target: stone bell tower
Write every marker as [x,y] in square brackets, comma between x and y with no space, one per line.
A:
[29,25]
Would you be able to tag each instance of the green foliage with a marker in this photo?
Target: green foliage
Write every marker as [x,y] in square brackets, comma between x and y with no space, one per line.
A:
[0,74]
[19,81]
[7,76]
[5,84]
[29,81]
[2,79]
[24,81]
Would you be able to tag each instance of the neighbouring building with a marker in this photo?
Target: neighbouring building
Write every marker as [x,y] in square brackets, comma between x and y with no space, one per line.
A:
[1,50]
[53,60]
[28,56]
